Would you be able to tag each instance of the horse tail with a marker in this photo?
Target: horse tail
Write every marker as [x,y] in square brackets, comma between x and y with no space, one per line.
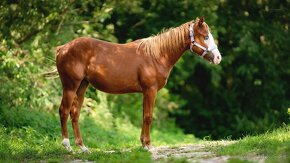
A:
[50,74]
[53,73]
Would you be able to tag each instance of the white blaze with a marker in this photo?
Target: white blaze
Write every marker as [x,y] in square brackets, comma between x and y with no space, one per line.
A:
[212,47]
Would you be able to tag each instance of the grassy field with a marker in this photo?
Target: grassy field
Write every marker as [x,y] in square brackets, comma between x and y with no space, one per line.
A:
[26,144]
[36,136]
[32,135]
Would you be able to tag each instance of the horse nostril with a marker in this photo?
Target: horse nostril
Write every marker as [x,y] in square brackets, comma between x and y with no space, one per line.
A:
[218,57]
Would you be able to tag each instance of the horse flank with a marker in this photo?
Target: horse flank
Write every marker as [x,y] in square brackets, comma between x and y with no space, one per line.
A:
[166,42]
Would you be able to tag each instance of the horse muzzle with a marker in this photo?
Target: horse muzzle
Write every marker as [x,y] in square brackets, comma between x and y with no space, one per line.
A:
[216,57]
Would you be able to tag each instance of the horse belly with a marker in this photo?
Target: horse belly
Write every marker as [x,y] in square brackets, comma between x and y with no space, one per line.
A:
[112,81]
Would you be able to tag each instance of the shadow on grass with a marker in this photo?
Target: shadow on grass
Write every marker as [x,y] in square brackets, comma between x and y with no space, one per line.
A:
[130,155]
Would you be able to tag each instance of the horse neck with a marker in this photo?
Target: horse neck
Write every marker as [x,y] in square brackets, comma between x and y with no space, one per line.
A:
[174,57]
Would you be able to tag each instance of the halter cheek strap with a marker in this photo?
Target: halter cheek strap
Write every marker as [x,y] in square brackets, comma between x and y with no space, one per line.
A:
[193,43]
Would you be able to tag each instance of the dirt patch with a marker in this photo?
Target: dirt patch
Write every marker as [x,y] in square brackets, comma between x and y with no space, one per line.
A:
[196,153]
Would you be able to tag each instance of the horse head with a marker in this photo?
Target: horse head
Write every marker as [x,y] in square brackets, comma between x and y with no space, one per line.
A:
[202,41]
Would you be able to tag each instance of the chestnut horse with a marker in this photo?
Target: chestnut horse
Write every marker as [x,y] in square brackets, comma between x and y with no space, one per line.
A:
[139,66]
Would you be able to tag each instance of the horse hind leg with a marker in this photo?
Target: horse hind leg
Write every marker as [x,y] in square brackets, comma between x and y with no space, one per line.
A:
[75,113]
[64,110]
[70,87]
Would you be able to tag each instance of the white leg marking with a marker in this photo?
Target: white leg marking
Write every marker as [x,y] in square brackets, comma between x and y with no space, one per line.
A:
[148,147]
[66,144]
[84,149]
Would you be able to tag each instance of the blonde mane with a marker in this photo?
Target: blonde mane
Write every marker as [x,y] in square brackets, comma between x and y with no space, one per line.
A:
[166,42]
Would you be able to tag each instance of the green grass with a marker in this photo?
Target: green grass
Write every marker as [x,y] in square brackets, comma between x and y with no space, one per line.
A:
[34,135]
[20,144]
[274,145]
[26,144]
[31,135]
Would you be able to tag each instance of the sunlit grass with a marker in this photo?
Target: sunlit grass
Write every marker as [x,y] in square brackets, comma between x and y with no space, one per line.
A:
[36,136]
[41,139]
[28,144]
[274,145]
[121,144]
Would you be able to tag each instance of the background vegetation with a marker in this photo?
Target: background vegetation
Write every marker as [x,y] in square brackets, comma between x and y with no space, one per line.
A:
[247,94]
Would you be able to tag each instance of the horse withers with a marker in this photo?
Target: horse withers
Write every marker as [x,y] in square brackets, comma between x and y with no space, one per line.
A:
[140,66]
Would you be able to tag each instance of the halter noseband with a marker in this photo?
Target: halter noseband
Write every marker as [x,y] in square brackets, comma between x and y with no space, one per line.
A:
[193,43]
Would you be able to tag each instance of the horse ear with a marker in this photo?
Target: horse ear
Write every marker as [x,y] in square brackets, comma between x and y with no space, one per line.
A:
[196,19]
[201,21]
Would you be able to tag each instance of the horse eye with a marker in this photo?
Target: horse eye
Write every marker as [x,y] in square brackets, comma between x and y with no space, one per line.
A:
[206,37]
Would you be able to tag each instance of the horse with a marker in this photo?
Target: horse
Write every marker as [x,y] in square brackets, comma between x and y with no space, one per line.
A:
[140,66]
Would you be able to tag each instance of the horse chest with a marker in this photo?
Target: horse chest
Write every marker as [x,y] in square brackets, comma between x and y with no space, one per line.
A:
[162,81]
[153,77]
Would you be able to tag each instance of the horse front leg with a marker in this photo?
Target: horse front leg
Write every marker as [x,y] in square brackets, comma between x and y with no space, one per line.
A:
[149,96]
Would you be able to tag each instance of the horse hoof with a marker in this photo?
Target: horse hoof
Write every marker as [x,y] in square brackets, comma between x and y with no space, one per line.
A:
[148,147]
[66,144]
[84,149]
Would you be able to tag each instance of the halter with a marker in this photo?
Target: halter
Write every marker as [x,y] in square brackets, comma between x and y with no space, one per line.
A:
[193,43]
